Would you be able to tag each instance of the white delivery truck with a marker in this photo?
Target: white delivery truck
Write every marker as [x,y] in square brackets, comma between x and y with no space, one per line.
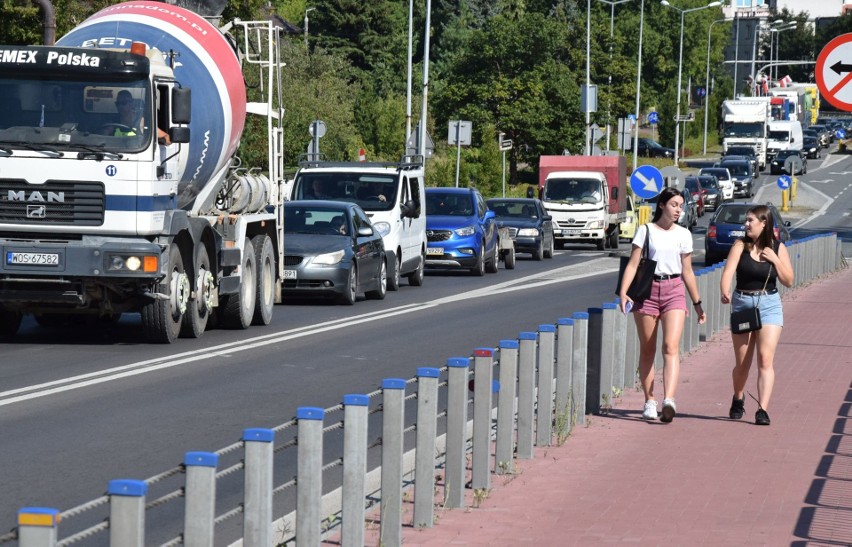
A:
[783,135]
[745,122]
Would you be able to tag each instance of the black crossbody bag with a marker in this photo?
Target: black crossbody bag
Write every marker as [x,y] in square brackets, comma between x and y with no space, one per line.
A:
[749,320]
[640,287]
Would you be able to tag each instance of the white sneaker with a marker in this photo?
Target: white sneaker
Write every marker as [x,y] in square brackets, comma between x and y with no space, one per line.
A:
[669,410]
[650,412]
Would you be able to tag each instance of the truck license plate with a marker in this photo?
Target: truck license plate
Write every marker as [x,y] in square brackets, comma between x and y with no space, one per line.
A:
[435,251]
[32,259]
[290,274]
[570,232]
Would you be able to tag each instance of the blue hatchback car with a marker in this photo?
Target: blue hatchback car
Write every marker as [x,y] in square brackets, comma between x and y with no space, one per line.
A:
[460,230]
[728,225]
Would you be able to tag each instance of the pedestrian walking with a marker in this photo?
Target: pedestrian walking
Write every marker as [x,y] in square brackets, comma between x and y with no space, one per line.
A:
[760,262]
[670,245]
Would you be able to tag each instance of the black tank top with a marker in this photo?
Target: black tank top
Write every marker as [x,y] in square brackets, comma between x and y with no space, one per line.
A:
[751,274]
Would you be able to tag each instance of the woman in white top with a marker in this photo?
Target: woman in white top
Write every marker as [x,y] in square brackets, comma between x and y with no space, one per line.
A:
[671,246]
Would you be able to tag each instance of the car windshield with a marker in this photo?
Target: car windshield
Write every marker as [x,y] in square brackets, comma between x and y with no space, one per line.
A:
[573,190]
[783,154]
[691,184]
[738,168]
[779,135]
[732,214]
[810,141]
[513,209]
[371,191]
[709,183]
[718,173]
[449,203]
[302,219]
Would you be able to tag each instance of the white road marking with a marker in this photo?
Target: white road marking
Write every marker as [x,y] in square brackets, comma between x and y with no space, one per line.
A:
[591,268]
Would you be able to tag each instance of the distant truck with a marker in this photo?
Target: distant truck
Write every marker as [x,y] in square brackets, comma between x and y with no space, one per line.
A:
[783,135]
[746,122]
[586,196]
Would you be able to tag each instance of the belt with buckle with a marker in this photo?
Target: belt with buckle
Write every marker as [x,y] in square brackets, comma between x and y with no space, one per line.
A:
[757,293]
[665,277]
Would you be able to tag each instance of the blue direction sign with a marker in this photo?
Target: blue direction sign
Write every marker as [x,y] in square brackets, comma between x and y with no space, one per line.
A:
[784,182]
[646,181]
[653,117]
[840,134]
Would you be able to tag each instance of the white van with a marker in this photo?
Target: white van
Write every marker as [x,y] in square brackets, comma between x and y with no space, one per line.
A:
[392,196]
[723,175]
[783,135]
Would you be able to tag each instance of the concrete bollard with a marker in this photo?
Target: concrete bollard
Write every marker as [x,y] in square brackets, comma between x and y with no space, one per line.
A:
[355,419]
[200,498]
[427,434]
[564,356]
[544,415]
[723,311]
[393,425]
[598,379]
[526,394]
[504,453]
[483,375]
[631,353]
[579,365]
[127,512]
[257,514]
[38,526]
[619,348]
[454,475]
[706,302]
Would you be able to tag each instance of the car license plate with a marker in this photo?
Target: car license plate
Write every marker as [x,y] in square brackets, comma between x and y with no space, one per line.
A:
[737,233]
[290,274]
[570,232]
[435,251]
[32,259]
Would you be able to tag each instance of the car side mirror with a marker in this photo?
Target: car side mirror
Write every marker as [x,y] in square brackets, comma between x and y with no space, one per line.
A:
[787,223]
[365,231]
[547,218]
[410,209]
[489,215]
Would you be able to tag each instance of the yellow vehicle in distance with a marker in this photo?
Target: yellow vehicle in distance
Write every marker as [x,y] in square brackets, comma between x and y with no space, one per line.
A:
[627,228]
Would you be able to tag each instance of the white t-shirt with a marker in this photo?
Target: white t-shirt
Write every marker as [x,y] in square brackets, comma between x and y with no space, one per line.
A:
[667,247]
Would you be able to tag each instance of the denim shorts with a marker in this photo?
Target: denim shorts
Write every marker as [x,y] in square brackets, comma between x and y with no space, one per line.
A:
[666,295]
[771,312]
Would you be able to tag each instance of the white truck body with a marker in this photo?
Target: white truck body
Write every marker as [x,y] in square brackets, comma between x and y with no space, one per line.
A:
[745,122]
[783,135]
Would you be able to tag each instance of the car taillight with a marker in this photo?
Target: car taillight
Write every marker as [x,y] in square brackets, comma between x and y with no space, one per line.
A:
[777,233]
[711,231]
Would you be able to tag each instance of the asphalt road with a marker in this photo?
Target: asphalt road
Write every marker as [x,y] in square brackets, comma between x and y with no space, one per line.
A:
[87,403]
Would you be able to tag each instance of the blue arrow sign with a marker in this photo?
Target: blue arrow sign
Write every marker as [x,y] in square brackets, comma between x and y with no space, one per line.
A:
[646,181]
[653,117]
[840,134]
[784,182]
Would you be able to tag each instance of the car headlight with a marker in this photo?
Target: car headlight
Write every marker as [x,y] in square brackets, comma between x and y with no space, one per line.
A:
[382,228]
[812,150]
[466,231]
[328,259]
[528,232]
[595,224]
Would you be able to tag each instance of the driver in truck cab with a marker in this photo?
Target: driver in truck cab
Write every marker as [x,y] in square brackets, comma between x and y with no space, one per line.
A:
[130,123]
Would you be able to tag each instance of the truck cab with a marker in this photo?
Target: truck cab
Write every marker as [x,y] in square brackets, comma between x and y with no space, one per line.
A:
[783,135]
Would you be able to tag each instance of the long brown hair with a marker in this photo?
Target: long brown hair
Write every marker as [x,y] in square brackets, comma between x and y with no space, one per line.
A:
[766,239]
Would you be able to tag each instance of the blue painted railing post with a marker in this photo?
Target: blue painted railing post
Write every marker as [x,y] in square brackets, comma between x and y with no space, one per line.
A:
[37,526]
[355,419]
[200,498]
[425,448]
[393,426]
[309,476]
[127,512]
[257,515]
[454,474]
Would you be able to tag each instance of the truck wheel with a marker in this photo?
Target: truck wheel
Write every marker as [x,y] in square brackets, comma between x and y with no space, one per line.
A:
[10,321]
[236,310]
[162,317]
[415,278]
[382,287]
[265,293]
[613,239]
[393,280]
[601,243]
[351,288]
[199,307]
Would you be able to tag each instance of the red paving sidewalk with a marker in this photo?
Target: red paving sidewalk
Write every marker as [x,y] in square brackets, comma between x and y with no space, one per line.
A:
[703,479]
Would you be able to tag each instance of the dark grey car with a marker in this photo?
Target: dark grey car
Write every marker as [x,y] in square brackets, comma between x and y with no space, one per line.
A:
[530,226]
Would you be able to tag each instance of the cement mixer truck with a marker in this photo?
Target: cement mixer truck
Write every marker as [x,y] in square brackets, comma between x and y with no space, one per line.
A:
[120,186]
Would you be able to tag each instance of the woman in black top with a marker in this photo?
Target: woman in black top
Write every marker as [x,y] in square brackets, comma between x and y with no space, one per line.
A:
[759,262]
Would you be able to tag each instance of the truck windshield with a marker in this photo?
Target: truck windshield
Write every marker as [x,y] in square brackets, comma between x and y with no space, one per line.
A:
[573,190]
[371,191]
[779,135]
[79,116]
[744,130]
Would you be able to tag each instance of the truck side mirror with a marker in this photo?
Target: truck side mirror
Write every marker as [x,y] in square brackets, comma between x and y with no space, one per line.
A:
[179,134]
[181,105]
[613,191]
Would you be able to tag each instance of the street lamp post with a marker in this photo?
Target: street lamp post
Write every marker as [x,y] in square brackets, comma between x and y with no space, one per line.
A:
[611,5]
[306,25]
[707,82]
[638,82]
[683,12]
[776,33]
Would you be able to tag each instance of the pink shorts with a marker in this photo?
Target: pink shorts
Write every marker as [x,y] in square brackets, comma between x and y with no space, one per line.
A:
[665,296]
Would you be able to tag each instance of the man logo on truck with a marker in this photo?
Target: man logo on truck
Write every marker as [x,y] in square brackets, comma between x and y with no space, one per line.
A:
[52,197]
